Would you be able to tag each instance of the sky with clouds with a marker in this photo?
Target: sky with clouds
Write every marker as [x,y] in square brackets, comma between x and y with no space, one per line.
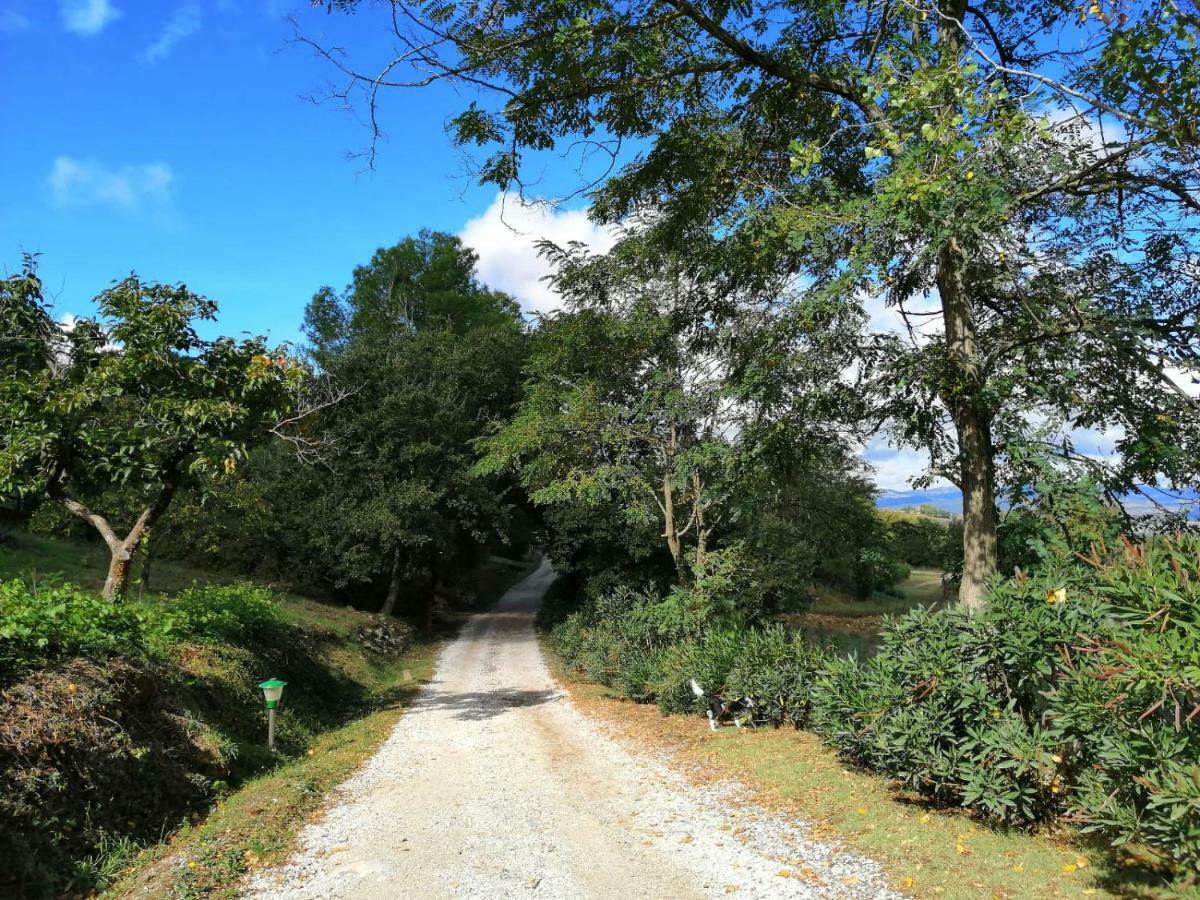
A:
[179,139]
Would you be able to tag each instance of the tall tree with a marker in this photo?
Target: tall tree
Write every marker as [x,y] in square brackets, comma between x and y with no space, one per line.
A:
[429,358]
[640,404]
[134,398]
[1017,180]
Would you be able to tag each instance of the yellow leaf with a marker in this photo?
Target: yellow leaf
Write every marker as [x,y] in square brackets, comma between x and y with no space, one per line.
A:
[924,819]
[907,882]
[784,873]
[1069,868]
[862,810]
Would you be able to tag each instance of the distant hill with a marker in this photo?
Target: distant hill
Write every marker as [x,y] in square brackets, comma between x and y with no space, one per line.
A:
[949,499]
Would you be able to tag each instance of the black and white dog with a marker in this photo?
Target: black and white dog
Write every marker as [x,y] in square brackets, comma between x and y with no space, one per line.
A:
[721,710]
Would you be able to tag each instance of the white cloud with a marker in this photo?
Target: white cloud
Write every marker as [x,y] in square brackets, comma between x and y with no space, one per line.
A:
[87,182]
[505,236]
[895,468]
[186,21]
[13,21]
[88,17]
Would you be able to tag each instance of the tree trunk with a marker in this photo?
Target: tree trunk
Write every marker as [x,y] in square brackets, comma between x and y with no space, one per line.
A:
[116,585]
[393,594]
[122,551]
[669,530]
[974,425]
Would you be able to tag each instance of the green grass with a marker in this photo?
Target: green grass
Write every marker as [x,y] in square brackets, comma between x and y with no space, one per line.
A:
[921,588]
[849,625]
[85,563]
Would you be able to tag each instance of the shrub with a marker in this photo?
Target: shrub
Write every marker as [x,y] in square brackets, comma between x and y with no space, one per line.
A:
[1074,693]
[708,659]
[776,668]
[1131,717]
[41,624]
[953,704]
[234,613]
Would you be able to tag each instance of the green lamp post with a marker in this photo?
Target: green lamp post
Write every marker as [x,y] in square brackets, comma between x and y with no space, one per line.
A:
[272,690]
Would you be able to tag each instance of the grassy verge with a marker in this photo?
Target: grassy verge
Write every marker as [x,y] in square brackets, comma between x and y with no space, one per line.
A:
[257,825]
[927,853]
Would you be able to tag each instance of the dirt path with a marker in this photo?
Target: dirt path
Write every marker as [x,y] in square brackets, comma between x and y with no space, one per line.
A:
[493,785]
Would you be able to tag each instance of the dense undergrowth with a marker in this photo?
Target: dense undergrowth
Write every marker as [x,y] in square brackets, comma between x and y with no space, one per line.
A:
[119,720]
[1074,696]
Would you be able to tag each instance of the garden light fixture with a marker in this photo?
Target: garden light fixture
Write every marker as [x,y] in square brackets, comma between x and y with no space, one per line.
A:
[272,690]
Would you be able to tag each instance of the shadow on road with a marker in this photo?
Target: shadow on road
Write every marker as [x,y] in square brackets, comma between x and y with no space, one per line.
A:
[474,706]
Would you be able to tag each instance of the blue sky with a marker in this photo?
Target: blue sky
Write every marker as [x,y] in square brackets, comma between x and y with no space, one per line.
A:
[173,138]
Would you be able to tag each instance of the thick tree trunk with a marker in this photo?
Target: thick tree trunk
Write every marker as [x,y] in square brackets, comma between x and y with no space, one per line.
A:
[116,585]
[974,425]
[393,594]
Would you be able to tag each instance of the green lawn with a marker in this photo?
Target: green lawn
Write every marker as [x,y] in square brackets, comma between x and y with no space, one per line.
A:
[852,626]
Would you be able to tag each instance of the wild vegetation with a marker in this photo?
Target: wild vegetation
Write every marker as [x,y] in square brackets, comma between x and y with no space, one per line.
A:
[966,228]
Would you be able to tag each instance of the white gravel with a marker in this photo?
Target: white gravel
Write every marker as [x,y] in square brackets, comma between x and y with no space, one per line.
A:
[494,785]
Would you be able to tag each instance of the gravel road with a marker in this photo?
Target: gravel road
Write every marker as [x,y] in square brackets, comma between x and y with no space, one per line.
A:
[493,786]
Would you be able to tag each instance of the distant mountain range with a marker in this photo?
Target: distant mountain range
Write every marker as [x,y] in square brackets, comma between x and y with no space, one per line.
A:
[950,499]
[947,498]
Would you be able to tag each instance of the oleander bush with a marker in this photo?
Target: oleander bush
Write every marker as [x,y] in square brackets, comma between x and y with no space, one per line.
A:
[958,707]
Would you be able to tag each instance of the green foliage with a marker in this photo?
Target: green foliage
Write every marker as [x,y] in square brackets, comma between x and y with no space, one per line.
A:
[235,613]
[918,540]
[129,406]
[952,705]
[1073,695]
[45,623]
[1011,200]
[428,358]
